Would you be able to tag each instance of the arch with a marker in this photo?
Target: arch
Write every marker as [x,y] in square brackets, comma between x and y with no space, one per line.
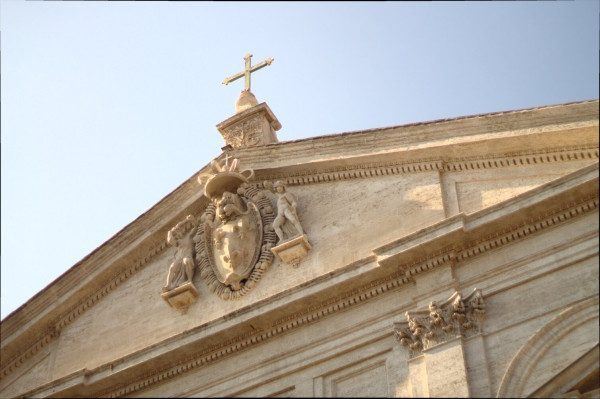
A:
[524,362]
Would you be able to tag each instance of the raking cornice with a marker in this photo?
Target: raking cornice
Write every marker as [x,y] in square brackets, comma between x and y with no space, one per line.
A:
[393,265]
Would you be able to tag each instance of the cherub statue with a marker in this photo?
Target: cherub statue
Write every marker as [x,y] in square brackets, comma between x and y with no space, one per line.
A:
[181,269]
[286,211]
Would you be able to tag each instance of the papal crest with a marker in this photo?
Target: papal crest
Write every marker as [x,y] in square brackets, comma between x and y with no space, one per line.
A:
[234,238]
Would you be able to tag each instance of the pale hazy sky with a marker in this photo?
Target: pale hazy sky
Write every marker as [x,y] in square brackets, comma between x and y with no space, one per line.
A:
[108,106]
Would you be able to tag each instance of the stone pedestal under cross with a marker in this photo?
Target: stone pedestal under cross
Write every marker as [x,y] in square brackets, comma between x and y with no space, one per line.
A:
[253,124]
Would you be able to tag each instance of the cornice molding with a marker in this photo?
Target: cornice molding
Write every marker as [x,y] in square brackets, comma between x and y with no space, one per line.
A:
[403,274]
[356,296]
[450,164]
[310,315]
[423,135]
[365,171]
[188,196]
[70,316]
[15,362]
[528,227]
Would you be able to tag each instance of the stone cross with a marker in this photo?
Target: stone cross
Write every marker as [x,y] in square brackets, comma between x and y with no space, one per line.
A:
[247,71]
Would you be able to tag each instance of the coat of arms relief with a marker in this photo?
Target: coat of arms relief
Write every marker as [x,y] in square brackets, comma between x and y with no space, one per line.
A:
[233,242]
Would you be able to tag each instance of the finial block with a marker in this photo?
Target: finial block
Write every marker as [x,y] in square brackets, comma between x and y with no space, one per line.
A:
[254,125]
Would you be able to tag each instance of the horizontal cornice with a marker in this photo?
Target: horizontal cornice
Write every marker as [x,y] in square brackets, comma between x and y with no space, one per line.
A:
[41,319]
[420,135]
[391,266]
[326,172]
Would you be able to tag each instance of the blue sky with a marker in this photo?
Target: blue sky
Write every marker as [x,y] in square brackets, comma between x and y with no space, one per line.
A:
[108,106]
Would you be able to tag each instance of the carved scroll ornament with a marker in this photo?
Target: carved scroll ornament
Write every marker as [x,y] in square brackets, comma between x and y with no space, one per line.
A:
[244,134]
[454,317]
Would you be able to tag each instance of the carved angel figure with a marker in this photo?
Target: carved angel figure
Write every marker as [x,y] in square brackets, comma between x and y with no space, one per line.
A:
[181,270]
[286,211]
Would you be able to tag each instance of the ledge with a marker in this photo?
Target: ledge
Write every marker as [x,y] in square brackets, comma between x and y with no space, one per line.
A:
[321,297]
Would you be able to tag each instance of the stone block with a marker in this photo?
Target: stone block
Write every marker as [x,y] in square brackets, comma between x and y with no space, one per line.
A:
[181,297]
[292,252]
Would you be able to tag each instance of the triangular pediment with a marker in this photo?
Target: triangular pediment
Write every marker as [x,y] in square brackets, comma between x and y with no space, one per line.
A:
[377,207]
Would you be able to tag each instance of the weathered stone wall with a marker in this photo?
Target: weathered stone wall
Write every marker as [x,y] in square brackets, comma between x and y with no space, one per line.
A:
[353,353]
[344,221]
[353,204]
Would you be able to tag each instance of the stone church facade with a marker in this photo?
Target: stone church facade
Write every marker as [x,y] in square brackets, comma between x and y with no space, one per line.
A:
[451,258]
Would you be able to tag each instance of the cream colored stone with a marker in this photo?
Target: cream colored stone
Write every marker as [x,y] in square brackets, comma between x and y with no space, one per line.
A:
[245,101]
[293,251]
[252,125]
[446,370]
[181,297]
[408,219]
[235,231]
[181,270]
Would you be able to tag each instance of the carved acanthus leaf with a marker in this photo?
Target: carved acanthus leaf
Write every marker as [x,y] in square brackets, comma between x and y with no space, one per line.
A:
[457,316]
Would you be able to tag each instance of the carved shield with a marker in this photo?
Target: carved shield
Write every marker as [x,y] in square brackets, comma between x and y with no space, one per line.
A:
[233,252]
[234,246]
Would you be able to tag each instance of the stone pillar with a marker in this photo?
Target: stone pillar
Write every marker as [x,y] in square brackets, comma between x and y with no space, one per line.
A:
[476,360]
[446,370]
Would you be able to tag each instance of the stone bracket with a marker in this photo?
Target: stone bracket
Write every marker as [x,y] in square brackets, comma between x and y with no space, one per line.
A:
[252,127]
[181,297]
[293,251]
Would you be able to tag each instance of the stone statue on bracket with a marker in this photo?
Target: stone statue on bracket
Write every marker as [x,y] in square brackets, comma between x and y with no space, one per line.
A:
[293,245]
[179,290]
[286,212]
[181,270]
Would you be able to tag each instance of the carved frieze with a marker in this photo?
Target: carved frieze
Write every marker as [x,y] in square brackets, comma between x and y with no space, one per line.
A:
[457,316]
[246,133]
